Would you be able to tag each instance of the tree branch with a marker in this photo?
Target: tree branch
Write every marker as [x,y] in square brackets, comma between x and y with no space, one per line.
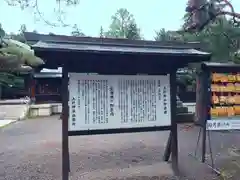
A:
[35,5]
[233,14]
[48,22]
[212,11]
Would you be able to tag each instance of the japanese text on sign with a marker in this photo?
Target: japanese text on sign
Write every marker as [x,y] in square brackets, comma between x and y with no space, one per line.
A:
[110,102]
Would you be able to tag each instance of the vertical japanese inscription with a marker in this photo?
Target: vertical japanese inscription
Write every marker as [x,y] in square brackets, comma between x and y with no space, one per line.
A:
[85,100]
[94,102]
[165,101]
[105,101]
[73,108]
[159,90]
[111,101]
[123,100]
[79,94]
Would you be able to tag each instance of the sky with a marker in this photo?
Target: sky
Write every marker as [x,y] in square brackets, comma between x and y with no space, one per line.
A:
[90,15]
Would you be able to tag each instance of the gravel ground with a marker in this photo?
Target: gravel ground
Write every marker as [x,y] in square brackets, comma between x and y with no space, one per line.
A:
[31,149]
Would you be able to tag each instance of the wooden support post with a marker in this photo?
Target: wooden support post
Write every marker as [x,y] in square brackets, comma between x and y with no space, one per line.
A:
[32,88]
[65,143]
[174,130]
[167,151]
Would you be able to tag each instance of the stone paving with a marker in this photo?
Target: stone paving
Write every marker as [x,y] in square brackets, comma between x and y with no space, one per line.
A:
[31,149]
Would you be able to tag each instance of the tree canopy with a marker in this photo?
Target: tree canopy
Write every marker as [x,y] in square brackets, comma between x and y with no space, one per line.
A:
[15,56]
[13,48]
[76,31]
[203,12]
[221,36]
[123,25]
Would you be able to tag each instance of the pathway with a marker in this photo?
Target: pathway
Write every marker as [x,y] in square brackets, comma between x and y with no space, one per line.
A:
[31,149]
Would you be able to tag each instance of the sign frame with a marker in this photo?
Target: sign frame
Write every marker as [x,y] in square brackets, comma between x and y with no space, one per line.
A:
[125,129]
[171,147]
[204,97]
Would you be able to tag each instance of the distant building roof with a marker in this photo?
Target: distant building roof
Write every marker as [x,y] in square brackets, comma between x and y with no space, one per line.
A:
[45,70]
[47,75]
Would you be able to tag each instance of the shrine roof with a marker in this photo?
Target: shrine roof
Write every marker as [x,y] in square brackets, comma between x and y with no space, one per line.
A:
[91,44]
[33,38]
[95,48]
[114,53]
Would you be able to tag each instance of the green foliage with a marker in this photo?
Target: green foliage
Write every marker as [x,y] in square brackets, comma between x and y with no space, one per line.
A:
[133,32]
[123,26]
[76,31]
[2,32]
[10,80]
[101,34]
[23,29]
[14,56]
[209,21]
[23,53]
[204,12]
[221,37]
[20,36]
[163,35]
[188,78]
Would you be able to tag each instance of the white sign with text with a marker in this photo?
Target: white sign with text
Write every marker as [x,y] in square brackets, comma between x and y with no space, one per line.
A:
[118,101]
[223,124]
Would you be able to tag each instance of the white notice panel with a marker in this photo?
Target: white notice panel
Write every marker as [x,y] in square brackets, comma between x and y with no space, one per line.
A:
[118,101]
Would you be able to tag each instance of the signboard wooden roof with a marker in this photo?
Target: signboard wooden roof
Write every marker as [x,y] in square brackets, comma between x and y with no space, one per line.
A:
[59,42]
[221,67]
[183,53]
[33,38]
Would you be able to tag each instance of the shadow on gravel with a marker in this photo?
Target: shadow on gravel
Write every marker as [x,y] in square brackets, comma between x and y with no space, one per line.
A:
[147,178]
